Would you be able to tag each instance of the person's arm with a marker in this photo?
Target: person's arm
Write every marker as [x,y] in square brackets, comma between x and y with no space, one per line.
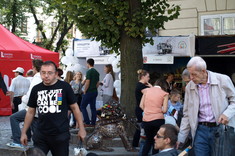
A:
[184,126]
[142,102]
[83,82]
[228,87]
[149,85]
[165,104]
[107,80]
[143,90]
[78,116]
[27,122]
[97,84]
[87,84]
[11,95]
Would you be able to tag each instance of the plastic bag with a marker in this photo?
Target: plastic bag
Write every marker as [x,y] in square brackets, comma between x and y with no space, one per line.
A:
[80,150]
[224,141]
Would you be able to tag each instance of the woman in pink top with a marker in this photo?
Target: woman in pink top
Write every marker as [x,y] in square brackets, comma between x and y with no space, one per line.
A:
[154,105]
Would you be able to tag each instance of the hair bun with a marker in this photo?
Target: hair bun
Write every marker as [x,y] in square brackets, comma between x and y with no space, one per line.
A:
[139,71]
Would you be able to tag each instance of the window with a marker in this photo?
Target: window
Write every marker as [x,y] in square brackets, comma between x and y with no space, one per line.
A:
[222,24]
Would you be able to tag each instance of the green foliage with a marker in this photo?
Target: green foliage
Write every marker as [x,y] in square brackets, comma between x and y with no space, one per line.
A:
[13,14]
[104,20]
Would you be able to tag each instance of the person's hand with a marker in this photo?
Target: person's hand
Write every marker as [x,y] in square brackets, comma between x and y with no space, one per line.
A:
[82,133]
[223,119]
[101,83]
[24,139]
[149,85]
[8,93]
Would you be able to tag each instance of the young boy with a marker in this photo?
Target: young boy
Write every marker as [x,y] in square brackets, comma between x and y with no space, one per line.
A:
[174,104]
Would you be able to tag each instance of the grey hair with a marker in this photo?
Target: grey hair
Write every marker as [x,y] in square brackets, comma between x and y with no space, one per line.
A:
[197,62]
[185,73]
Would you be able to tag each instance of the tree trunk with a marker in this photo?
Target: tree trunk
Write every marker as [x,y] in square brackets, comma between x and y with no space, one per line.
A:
[62,35]
[131,61]
[14,17]
[39,27]
[49,45]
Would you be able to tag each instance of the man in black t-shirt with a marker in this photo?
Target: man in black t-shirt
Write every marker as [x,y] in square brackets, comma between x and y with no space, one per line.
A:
[52,98]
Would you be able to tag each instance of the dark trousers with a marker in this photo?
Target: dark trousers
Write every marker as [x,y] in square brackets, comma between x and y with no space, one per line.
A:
[136,137]
[16,101]
[57,144]
[79,99]
[89,98]
[151,128]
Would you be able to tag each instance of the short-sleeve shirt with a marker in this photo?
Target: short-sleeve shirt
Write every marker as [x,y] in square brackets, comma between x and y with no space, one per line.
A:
[77,87]
[19,86]
[154,98]
[138,92]
[93,76]
[52,102]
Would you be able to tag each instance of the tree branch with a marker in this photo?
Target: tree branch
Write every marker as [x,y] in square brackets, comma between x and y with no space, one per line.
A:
[39,27]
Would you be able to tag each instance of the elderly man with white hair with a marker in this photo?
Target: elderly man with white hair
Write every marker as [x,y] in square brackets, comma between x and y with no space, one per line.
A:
[209,101]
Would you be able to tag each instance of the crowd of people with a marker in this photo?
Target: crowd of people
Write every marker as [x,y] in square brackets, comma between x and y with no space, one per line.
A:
[209,100]
[47,102]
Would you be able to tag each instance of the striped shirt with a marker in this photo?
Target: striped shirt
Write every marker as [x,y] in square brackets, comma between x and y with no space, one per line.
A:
[205,110]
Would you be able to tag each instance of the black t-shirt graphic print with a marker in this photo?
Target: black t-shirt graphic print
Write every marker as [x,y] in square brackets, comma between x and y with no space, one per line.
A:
[52,103]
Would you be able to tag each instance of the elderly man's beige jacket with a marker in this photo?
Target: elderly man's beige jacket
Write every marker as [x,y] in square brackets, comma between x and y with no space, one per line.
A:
[222,96]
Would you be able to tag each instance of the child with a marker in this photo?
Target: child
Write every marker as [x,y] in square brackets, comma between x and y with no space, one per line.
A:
[174,104]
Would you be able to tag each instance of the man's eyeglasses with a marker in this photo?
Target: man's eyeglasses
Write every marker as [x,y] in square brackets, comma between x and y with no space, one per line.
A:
[47,73]
[158,136]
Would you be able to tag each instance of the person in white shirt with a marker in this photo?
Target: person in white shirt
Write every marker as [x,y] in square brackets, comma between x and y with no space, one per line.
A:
[19,116]
[19,87]
[30,74]
[107,83]
[165,140]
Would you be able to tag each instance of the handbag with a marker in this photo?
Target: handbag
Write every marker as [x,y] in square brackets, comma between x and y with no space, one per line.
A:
[224,141]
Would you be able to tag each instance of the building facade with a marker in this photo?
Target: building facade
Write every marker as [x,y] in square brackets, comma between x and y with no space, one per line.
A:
[202,17]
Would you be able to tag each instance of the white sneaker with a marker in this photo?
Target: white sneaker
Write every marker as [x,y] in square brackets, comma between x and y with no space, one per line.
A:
[15,145]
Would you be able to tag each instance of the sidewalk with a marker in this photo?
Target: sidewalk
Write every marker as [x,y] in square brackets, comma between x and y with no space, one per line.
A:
[5,135]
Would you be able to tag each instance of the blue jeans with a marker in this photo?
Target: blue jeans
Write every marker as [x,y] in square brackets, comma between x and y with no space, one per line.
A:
[15,120]
[89,98]
[204,140]
[142,142]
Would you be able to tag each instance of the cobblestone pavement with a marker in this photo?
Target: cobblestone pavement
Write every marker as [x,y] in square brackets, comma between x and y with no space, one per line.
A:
[5,137]
[5,130]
